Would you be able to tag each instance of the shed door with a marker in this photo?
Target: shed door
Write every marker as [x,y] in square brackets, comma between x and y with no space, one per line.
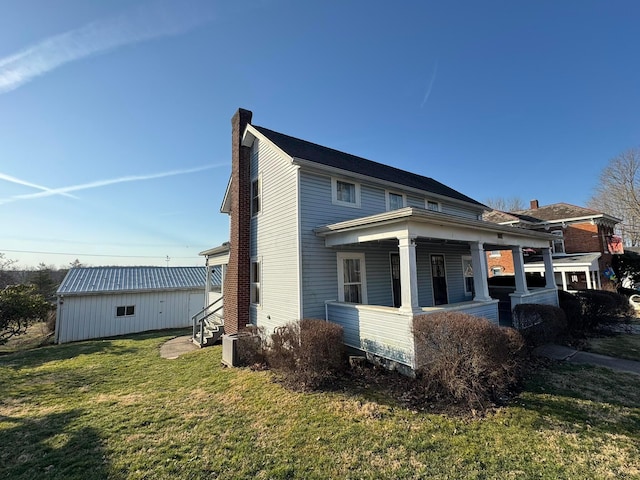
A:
[439,277]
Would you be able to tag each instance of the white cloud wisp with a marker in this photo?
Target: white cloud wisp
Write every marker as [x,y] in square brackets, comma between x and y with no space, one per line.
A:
[103,183]
[156,20]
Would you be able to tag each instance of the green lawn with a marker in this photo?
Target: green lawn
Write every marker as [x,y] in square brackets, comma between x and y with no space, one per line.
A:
[115,409]
[622,346]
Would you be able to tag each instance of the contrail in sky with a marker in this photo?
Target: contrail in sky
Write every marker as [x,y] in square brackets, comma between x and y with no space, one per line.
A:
[15,180]
[103,183]
[159,19]
[433,79]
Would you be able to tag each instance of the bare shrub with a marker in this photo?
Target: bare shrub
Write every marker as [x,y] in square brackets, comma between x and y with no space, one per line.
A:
[50,321]
[599,307]
[572,308]
[539,324]
[251,347]
[308,352]
[466,359]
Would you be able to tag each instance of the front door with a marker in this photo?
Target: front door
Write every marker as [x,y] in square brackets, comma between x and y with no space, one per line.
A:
[439,277]
[395,279]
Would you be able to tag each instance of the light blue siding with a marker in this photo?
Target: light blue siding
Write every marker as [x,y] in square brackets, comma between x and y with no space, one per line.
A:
[274,237]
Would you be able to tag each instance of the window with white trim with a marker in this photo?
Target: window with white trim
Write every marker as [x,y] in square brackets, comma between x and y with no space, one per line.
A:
[495,253]
[496,271]
[255,281]
[467,273]
[125,310]
[395,200]
[433,206]
[352,283]
[558,243]
[256,204]
[345,193]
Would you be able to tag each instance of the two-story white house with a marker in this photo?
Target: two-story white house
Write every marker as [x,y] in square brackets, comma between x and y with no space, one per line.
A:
[318,233]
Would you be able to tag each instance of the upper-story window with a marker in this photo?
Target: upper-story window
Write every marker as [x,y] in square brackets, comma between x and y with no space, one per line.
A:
[558,243]
[256,188]
[395,201]
[345,193]
[433,206]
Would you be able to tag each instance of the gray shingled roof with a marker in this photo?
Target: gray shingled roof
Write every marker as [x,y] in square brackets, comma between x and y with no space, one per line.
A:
[333,158]
[130,279]
[548,213]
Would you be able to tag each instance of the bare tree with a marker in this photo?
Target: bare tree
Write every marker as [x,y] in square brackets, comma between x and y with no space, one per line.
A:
[7,270]
[618,194]
[511,204]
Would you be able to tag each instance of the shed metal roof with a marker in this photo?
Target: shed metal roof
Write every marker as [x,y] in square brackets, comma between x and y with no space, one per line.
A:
[93,280]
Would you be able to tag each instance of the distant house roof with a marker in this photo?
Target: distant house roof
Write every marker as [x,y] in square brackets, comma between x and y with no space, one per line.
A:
[131,279]
[304,150]
[556,212]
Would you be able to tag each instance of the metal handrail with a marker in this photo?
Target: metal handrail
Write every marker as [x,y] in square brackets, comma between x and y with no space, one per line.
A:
[202,320]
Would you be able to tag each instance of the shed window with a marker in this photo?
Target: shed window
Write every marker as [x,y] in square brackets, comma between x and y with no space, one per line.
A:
[125,310]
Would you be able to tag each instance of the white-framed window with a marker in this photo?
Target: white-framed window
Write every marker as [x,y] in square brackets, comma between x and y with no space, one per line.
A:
[558,243]
[125,310]
[395,200]
[345,193]
[256,196]
[352,277]
[467,274]
[496,271]
[431,205]
[256,281]
[495,254]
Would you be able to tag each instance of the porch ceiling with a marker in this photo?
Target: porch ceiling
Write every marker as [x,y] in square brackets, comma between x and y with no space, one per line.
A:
[421,223]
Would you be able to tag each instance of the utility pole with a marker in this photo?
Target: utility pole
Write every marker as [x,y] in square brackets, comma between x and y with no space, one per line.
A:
[167,260]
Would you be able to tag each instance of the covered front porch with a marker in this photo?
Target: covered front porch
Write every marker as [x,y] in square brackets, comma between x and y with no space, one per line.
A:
[436,262]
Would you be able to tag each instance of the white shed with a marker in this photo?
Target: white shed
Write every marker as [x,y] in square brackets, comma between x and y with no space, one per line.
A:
[101,302]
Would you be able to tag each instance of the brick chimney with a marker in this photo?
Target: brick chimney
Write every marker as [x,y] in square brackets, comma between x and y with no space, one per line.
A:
[237,280]
[534,204]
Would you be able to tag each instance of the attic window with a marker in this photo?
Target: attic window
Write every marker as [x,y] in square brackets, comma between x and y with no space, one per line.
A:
[345,193]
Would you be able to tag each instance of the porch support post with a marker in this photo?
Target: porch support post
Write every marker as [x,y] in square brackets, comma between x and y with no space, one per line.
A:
[408,274]
[518,270]
[564,280]
[480,272]
[588,277]
[549,275]
[597,274]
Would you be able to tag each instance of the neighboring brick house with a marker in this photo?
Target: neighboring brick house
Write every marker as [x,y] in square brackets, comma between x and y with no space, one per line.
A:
[578,230]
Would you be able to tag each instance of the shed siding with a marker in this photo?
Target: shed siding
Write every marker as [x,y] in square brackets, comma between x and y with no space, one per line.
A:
[94,316]
[274,238]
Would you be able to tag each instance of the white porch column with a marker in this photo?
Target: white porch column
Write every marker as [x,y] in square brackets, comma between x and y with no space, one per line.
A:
[480,272]
[408,274]
[207,287]
[588,275]
[597,274]
[518,270]
[548,268]
[564,281]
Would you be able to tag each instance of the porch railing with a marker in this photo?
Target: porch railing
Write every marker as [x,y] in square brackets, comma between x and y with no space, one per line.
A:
[207,316]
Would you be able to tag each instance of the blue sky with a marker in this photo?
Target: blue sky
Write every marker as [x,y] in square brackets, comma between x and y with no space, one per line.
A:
[115,116]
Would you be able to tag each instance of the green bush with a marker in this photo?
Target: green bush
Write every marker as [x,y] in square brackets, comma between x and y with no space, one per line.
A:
[309,353]
[539,324]
[466,359]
